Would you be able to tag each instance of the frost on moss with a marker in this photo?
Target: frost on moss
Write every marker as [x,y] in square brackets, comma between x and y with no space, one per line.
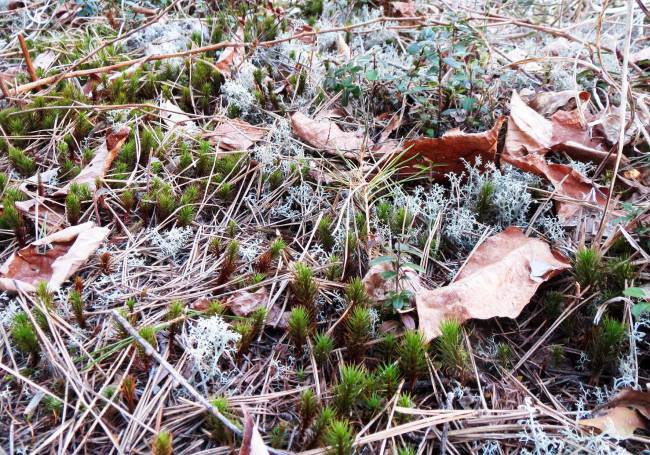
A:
[206,342]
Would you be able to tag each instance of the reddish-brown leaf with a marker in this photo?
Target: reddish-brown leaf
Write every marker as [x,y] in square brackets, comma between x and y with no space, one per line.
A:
[54,258]
[449,152]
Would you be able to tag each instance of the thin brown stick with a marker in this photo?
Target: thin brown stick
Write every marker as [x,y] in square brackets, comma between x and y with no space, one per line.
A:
[28,59]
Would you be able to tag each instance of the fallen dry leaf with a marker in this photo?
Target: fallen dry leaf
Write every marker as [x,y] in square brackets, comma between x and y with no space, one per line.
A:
[548,103]
[531,132]
[38,209]
[450,152]
[628,411]
[233,56]
[243,303]
[499,280]
[617,422]
[323,134]
[53,258]
[174,117]
[45,60]
[306,29]
[252,442]
[101,162]
[529,137]
[235,134]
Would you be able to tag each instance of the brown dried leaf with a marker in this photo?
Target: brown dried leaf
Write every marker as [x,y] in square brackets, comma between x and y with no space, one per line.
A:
[448,152]
[101,162]
[309,39]
[243,303]
[505,272]
[235,134]
[628,411]
[548,103]
[54,258]
[323,134]
[529,131]
[48,216]
[45,60]
[617,422]
[233,56]
[530,136]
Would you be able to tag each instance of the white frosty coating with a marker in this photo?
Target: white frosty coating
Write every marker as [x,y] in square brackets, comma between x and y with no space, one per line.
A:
[543,443]
[166,37]
[239,90]
[171,242]
[207,341]
[8,309]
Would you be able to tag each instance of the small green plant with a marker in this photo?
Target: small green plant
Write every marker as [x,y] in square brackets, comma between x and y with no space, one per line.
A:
[358,332]
[399,271]
[557,355]
[404,400]
[161,444]
[484,201]
[77,304]
[44,295]
[148,333]
[219,432]
[387,378]
[504,355]
[249,329]
[323,347]
[24,336]
[72,208]
[356,293]
[588,267]
[339,436]
[305,288]
[605,344]
[174,311]
[451,349]
[299,326]
[348,390]
[278,436]
[412,355]
[52,406]
[324,231]
[23,164]
[307,409]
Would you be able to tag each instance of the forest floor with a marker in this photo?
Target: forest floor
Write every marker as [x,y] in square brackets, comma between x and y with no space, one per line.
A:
[324,227]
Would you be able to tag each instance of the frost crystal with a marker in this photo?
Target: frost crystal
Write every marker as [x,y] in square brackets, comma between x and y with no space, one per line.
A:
[170,243]
[207,341]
